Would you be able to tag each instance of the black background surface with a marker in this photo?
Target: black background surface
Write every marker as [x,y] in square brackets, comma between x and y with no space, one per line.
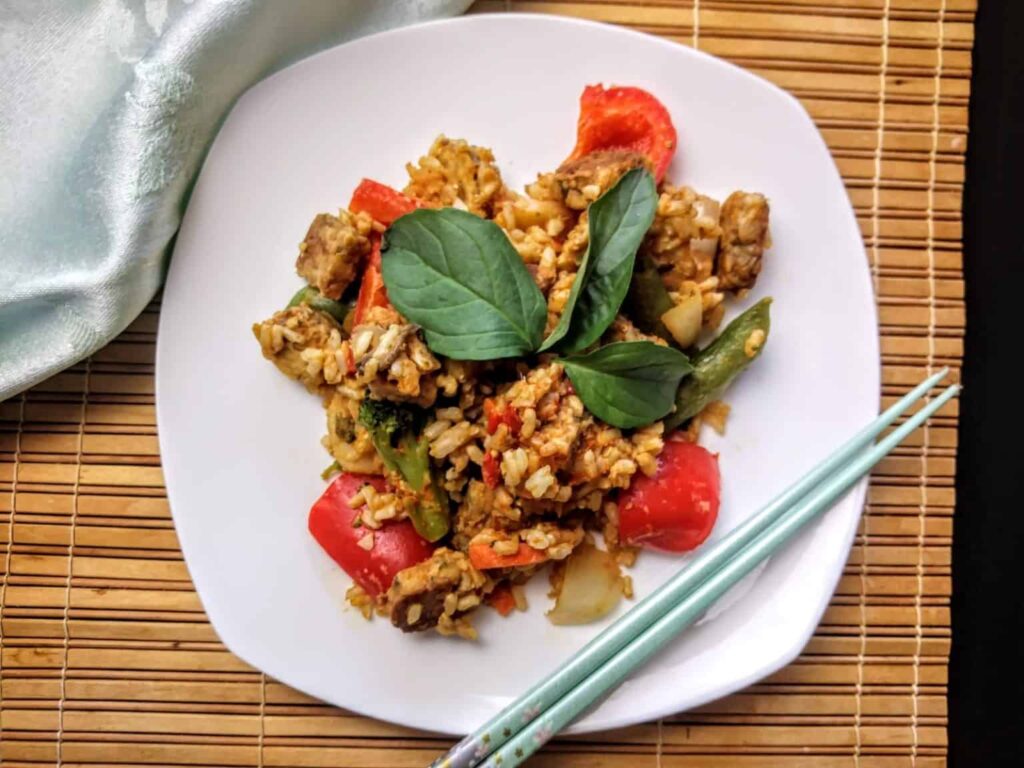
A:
[986,695]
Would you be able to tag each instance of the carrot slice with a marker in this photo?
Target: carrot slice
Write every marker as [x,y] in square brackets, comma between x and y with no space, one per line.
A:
[502,599]
[483,557]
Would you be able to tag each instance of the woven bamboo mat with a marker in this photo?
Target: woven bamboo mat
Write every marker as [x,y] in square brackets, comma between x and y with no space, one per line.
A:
[107,657]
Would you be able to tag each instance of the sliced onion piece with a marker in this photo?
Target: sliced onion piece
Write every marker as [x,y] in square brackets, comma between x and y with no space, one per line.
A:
[703,247]
[702,254]
[591,587]
[706,211]
[684,319]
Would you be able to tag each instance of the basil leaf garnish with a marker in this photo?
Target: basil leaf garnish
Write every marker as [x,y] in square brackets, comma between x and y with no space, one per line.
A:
[629,383]
[618,221]
[458,277]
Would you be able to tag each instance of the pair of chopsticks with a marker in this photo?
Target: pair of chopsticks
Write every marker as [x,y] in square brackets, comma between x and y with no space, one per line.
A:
[522,727]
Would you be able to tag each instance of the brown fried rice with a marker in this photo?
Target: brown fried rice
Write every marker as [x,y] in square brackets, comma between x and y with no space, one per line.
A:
[555,468]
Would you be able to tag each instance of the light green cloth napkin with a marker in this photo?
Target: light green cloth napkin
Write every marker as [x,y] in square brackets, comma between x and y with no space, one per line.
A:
[106,109]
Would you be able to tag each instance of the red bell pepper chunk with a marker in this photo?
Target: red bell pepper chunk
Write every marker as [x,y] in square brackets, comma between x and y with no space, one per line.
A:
[491,470]
[396,545]
[372,292]
[627,119]
[675,510]
[507,416]
[381,201]
[385,205]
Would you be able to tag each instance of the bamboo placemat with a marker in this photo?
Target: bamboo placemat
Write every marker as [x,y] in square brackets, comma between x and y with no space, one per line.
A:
[107,657]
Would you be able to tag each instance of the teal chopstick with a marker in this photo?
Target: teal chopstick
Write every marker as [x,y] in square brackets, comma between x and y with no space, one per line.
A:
[470,750]
[616,669]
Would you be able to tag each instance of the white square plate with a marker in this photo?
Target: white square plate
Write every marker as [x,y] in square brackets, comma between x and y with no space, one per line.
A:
[240,443]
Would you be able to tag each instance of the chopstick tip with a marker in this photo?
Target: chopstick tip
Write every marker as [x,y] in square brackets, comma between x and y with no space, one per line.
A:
[953,390]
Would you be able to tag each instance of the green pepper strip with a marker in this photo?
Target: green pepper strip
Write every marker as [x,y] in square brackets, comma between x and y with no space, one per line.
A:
[715,366]
[316,300]
[648,299]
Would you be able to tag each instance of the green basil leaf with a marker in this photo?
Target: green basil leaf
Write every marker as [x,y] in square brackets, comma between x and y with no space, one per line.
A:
[629,383]
[618,221]
[458,277]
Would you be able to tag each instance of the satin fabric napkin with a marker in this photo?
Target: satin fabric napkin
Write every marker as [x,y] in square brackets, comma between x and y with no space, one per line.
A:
[106,110]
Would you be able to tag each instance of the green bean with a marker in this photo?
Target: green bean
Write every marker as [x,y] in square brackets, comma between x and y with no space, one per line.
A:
[648,299]
[715,366]
[316,300]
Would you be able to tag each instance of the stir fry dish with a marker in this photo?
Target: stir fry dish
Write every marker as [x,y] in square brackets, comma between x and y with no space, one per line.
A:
[515,383]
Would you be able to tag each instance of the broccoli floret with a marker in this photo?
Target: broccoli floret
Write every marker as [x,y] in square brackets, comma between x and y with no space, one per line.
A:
[387,419]
[395,431]
[394,428]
